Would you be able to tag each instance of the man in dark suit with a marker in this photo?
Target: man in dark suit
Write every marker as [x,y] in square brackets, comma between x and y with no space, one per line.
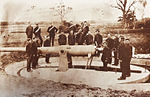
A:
[125,54]
[71,41]
[110,42]
[128,56]
[52,30]
[29,31]
[31,50]
[37,33]
[116,46]
[47,44]
[106,56]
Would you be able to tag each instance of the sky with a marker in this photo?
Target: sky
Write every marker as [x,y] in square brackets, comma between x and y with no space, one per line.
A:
[99,10]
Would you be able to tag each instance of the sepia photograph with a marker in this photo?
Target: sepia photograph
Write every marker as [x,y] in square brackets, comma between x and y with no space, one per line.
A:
[74,48]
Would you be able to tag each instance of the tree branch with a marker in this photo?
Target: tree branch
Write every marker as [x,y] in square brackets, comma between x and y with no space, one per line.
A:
[120,6]
[130,6]
[121,2]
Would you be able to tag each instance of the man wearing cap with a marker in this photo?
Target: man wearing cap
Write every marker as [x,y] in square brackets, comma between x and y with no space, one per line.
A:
[52,30]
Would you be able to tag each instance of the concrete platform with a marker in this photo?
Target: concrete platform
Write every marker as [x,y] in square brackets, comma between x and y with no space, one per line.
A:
[91,77]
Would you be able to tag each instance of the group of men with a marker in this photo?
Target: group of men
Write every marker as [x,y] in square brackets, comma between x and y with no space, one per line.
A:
[119,46]
[122,51]
[80,37]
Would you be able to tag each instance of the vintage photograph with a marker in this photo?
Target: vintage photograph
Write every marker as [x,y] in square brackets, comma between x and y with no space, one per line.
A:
[74,48]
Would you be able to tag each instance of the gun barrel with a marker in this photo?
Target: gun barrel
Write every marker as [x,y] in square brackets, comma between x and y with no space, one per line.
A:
[73,50]
[12,49]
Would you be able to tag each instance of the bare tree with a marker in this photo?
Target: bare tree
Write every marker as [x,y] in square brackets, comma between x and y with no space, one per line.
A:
[62,10]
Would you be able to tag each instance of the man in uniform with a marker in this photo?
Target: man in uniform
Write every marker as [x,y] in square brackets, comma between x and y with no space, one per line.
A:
[79,37]
[29,31]
[125,54]
[116,46]
[31,50]
[85,28]
[47,44]
[110,44]
[71,41]
[128,56]
[71,38]
[98,39]
[62,39]
[89,39]
[37,33]
[106,56]
[52,30]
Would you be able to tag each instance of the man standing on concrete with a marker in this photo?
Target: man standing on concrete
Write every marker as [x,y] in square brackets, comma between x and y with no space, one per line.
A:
[125,54]
[116,46]
[37,33]
[128,56]
[52,30]
[71,41]
[47,44]
[106,56]
[110,42]
[31,50]
[29,31]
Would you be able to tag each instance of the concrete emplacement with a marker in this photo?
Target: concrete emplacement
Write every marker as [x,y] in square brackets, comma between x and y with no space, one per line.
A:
[78,74]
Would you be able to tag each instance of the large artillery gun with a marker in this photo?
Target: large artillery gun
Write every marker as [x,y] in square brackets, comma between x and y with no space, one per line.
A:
[63,50]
